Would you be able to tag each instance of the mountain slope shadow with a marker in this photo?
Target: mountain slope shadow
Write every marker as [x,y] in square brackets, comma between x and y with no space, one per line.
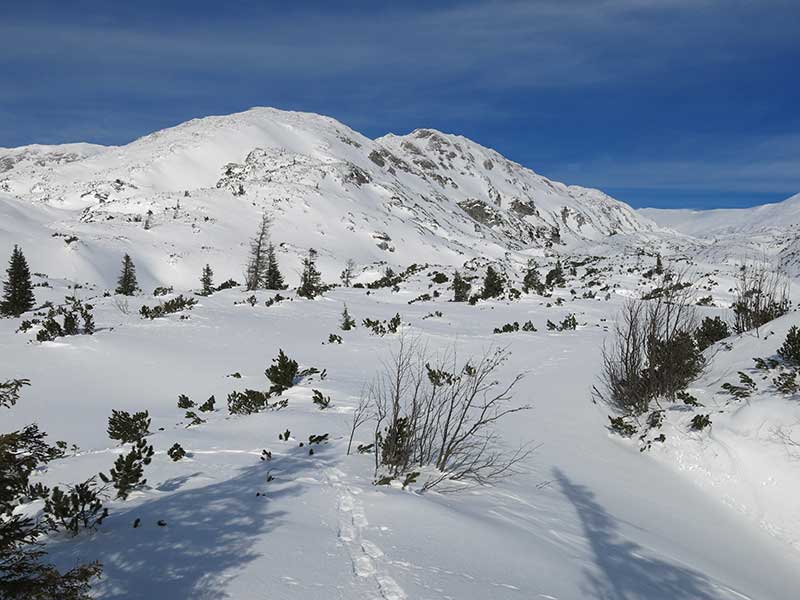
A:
[624,571]
[209,534]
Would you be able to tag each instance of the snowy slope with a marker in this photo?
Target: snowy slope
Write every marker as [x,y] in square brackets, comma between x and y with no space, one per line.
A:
[780,215]
[592,517]
[708,515]
[203,184]
[769,231]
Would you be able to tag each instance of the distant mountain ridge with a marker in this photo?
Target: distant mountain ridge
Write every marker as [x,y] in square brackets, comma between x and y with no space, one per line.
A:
[701,223]
[192,193]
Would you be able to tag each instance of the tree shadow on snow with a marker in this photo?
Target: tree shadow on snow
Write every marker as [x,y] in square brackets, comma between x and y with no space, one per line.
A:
[625,572]
[209,535]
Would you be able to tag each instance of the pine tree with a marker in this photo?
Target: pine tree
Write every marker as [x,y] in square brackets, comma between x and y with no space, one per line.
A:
[17,289]
[461,288]
[532,281]
[126,284]
[347,274]
[555,276]
[207,279]
[310,279]
[255,273]
[492,284]
[348,322]
[273,279]
[659,265]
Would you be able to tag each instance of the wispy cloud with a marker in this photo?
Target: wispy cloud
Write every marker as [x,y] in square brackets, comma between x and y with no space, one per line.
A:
[583,90]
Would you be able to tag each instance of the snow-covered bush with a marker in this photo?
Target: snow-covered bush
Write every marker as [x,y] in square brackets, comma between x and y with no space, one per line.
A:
[790,350]
[381,328]
[23,570]
[168,307]
[321,401]
[80,507]
[710,332]
[282,373]
[127,473]
[128,428]
[247,402]
[75,319]
[176,452]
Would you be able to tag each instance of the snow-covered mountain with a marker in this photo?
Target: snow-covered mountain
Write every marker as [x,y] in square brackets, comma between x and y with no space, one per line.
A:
[769,230]
[281,499]
[192,194]
[780,215]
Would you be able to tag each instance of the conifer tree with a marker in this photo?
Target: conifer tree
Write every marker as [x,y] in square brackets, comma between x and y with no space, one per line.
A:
[255,273]
[273,279]
[492,284]
[461,288]
[17,289]
[659,265]
[126,284]
[532,281]
[310,279]
[348,322]
[347,274]
[207,280]
[555,276]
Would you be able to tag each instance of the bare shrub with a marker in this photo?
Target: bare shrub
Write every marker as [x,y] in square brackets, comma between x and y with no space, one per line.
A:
[653,353]
[432,411]
[121,304]
[762,294]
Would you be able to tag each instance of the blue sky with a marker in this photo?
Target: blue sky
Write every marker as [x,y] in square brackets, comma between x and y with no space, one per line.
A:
[668,103]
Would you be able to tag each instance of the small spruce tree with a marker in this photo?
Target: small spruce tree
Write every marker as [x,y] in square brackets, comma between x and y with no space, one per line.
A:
[492,284]
[126,284]
[659,265]
[17,289]
[207,280]
[310,279]
[348,322]
[273,279]
[461,288]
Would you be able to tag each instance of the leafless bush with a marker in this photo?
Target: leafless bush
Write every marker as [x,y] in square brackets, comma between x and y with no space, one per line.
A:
[434,412]
[784,436]
[121,304]
[653,354]
[762,294]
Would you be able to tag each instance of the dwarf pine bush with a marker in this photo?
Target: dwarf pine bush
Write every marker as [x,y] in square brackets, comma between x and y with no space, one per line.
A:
[128,428]
[790,350]
[127,473]
[168,307]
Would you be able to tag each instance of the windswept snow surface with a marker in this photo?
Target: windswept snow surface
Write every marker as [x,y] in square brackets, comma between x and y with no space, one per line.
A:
[705,515]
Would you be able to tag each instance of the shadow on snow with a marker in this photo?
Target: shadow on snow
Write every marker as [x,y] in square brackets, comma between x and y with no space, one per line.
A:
[624,571]
[209,535]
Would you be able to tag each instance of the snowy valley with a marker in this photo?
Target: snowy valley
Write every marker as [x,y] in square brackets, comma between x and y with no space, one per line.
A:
[268,490]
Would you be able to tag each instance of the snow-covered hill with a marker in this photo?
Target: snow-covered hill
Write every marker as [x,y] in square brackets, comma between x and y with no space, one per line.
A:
[769,230]
[779,215]
[192,194]
[702,515]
